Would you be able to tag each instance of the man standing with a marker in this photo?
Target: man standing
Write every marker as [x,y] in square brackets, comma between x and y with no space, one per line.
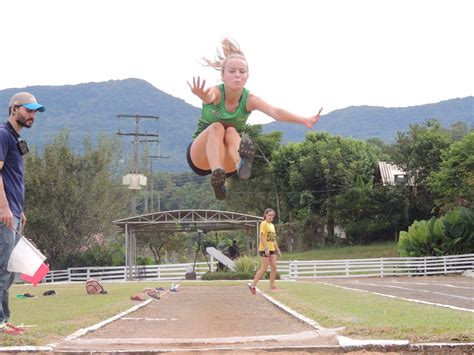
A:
[21,111]
[234,250]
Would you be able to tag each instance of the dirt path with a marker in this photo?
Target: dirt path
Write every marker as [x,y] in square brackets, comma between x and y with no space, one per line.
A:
[205,317]
[228,319]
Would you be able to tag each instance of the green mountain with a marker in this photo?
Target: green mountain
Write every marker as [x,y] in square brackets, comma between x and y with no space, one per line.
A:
[92,108]
[363,122]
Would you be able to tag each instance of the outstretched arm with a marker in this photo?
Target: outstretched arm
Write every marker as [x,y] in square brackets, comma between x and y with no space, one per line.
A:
[279,114]
[207,95]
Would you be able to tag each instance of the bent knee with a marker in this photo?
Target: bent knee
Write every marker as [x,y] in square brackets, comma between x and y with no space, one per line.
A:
[216,128]
[231,131]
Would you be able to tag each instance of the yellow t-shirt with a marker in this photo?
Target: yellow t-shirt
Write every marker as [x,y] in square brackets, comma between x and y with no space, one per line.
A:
[268,229]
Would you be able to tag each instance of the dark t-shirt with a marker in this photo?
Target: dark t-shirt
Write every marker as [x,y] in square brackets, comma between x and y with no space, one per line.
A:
[234,251]
[13,170]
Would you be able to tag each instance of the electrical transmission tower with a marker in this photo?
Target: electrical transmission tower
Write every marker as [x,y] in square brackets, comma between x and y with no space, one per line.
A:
[152,184]
[135,180]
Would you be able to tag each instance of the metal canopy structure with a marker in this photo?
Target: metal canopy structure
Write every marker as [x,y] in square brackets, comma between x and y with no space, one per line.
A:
[180,221]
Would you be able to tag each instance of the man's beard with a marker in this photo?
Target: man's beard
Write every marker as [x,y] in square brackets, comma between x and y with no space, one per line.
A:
[22,122]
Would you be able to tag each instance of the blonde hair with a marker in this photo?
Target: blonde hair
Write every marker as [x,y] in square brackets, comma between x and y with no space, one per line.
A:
[230,49]
[267,211]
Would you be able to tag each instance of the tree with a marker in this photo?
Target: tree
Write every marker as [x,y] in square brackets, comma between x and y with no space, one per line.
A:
[371,212]
[261,190]
[459,130]
[162,243]
[418,151]
[454,182]
[71,199]
[312,173]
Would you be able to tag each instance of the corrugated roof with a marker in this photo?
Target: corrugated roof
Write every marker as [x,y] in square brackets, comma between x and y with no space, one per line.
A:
[391,172]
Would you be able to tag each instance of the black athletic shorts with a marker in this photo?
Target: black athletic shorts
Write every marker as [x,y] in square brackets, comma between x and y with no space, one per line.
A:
[198,171]
[272,252]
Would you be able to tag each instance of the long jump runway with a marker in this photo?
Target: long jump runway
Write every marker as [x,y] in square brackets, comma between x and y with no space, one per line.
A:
[455,292]
[199,318]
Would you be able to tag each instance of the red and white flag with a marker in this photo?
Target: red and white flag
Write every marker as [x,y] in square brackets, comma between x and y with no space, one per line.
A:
[28,261]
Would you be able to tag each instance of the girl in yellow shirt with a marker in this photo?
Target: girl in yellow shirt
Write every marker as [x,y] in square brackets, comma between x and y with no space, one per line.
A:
[268,250]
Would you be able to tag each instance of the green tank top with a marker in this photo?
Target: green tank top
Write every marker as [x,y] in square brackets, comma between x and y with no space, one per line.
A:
[218,113]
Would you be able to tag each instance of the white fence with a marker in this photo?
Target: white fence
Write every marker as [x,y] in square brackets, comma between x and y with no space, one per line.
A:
[420,266]
[380,267]
[118,273]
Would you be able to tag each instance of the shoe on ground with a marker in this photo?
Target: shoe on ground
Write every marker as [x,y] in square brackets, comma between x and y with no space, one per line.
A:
[153,294]
[252,289]
[138,297]
[15,327]
[247,155]
[10,331]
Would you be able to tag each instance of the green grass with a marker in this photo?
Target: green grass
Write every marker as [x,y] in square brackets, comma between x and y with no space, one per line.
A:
[69,310]
[378,250]
[363,315]
[375,317]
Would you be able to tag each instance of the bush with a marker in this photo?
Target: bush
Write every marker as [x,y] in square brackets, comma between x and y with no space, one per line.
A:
[448,235]
[247,264]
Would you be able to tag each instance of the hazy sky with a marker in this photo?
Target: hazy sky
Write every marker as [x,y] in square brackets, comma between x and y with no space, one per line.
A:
[302,54]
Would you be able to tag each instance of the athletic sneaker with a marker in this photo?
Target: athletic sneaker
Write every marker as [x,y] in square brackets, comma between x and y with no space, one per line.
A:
[247,154]
[252,289]
[15,327]
[138,297]
[218,183]
[10,331]
[153,294]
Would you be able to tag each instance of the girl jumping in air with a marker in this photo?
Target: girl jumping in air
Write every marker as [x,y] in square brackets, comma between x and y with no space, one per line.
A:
[218,147]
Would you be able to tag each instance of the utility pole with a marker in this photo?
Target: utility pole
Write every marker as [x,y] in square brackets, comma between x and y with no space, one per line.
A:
[134,177]
[152,184]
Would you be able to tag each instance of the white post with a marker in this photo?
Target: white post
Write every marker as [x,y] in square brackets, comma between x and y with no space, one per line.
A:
[212,263]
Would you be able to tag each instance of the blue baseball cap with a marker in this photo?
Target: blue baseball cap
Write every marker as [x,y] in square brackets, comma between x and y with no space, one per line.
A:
[27,100]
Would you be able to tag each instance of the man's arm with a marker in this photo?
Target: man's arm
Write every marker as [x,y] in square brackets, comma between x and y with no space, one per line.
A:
[6,215]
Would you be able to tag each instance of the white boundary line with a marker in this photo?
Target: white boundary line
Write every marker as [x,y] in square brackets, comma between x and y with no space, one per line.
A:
[304,335]
[400,298]
[414,289]
[434,284]
[344,342]
[295,314]
[84,331]
[26,348]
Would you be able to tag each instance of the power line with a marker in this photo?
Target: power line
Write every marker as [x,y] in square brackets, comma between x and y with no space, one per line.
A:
[137,118]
